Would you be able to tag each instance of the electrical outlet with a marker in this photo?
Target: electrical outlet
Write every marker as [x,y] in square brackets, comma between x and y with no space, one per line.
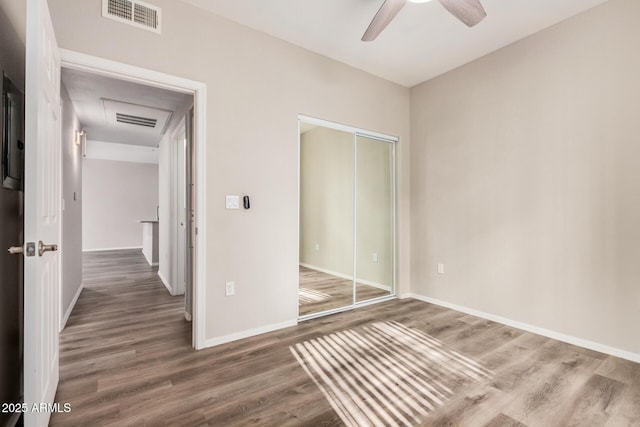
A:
[375,257]
[230,289]
[440,268]
[317,246]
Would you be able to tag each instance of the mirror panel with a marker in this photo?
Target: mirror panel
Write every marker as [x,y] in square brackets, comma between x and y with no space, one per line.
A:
[326,219]
[374,219]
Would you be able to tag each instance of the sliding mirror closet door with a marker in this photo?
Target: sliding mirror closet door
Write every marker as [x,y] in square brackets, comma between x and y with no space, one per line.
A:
[326,219]
[374,240]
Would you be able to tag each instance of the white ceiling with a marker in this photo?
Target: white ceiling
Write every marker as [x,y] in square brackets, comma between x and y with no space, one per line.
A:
[87,91]
[422,42]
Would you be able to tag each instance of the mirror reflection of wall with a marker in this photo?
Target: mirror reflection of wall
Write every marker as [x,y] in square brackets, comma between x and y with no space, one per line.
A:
[374,218]
[326,219]
[346,219]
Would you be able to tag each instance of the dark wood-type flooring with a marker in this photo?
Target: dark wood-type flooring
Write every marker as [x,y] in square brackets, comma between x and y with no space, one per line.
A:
[126,360]
[321,292]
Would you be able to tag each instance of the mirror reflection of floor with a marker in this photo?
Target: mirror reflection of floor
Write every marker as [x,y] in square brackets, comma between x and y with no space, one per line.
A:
[321,291]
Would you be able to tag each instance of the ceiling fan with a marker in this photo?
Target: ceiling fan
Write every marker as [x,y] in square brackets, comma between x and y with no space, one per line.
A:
[468,11]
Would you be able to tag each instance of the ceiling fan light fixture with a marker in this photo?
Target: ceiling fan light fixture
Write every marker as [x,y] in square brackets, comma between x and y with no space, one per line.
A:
[420,1]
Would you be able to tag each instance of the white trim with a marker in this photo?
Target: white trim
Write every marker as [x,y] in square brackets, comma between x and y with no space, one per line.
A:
[602,348]
[200,276]
[346,308]
[394,217]
[67,313]
[149,261]
[312,316]
[354,221]
[174,205]
[347,277]
[118,70]
[346,128]
[104,67]
[62,320]
[124,248]
[211,342]
[166,284]
[298,223]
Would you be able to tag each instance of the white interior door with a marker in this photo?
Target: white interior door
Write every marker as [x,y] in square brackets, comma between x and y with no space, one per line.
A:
[182,210]
[42,212]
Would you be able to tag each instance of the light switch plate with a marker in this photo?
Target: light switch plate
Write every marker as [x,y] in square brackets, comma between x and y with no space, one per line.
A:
[233,202]
[230,288]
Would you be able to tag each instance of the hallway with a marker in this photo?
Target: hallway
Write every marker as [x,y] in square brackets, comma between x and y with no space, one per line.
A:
[125,320]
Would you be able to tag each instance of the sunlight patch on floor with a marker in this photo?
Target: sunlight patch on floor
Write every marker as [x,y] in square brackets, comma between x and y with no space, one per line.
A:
[307,296]
[385,374]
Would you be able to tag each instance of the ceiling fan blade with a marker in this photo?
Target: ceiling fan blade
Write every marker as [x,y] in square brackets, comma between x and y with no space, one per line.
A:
[468,11]
[385,15]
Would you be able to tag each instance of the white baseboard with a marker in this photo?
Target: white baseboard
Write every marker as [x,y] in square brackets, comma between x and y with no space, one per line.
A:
[147,258]
[112,249]
[602,348]
[67,313]
[211,342]
[151,263]
[166,284]
[346,276]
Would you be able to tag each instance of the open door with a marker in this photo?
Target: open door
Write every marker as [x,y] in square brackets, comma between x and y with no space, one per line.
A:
[42,213]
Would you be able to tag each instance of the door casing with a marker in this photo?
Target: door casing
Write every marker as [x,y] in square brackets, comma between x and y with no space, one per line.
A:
[100,66]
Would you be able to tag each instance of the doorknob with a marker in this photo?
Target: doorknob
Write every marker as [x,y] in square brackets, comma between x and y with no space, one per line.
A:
[13,250]
[29,249]
[42,248]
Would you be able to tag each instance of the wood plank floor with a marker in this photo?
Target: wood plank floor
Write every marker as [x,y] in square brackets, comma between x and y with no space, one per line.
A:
[126,360]
[321,291]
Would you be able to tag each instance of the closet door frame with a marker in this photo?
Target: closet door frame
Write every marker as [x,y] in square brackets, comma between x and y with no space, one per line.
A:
[357,132]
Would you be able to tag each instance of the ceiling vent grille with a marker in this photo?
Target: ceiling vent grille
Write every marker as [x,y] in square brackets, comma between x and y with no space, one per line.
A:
[136,120]
[133,12]
[147,120]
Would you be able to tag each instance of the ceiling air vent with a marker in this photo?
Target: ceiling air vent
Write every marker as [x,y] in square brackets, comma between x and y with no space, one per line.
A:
[147,120]
[136,120]
[133,12]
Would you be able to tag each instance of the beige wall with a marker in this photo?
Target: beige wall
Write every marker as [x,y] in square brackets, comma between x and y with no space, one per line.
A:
[115,196]
[72,208]
[257,85]
[326,200]
[525,180]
